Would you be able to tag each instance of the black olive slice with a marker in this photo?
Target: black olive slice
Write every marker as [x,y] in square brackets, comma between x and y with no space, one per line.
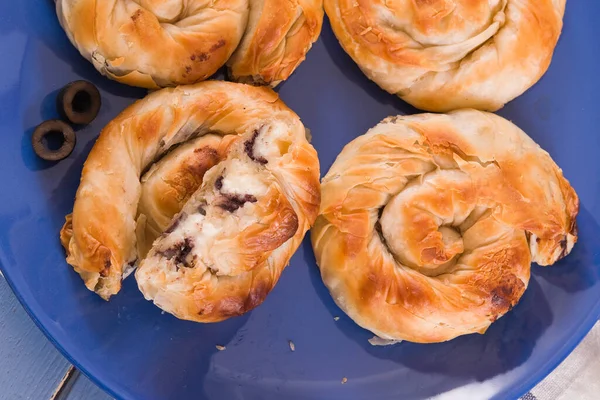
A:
[53,140]
[79,102]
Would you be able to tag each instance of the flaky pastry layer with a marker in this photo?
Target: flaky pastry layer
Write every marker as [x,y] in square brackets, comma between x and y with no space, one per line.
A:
[158,43]
[208,188]
[429,223]
[442,55]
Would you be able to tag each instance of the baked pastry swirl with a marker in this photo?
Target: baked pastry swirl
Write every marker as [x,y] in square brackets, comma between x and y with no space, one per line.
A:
[157,43]
[233,161]
[429,223]
[442,55]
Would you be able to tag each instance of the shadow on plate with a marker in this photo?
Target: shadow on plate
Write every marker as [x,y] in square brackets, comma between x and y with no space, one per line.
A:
[507,344]
[573,273]
[47,111]
[40,17]
[128,321]
[349,68]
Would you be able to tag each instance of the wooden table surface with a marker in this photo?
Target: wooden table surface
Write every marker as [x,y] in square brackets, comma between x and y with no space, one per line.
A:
[31,368]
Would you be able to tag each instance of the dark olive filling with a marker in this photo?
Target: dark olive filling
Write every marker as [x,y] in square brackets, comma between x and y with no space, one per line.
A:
[249,149]
[232,202]
[219,183]
[202,208]
[53,140]
[79,102]
[181,217]
[179,253]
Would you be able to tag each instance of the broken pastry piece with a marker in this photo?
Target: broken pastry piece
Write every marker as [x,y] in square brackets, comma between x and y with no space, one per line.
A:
[225,250]
[237,161]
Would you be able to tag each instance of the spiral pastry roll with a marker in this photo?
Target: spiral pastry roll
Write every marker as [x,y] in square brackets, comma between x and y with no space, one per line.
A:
[209,189]
[429,223]
[157,43]
[442,55]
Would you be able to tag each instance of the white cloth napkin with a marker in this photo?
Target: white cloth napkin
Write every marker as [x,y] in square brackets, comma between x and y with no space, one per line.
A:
[577,378]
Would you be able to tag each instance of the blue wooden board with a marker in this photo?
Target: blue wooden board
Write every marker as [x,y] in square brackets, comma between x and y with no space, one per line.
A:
[84,389]
[30,367]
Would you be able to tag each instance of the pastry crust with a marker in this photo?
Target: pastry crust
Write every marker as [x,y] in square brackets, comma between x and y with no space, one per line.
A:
[202,132]
[442,55]
[277,38]
[428,223]
[158,43]
[170,182]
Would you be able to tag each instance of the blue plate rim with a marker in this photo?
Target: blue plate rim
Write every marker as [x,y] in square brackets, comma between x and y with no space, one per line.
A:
[589,322]
[49,336]
[22,289]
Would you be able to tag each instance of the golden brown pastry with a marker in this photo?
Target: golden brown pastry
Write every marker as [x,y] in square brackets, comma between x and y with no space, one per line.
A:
[170,182]
[278,36]
[236,159]
[429,223]
[442,55]
[157,43]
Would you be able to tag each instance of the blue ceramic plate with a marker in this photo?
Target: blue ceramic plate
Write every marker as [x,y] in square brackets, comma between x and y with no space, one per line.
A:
[134,352]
